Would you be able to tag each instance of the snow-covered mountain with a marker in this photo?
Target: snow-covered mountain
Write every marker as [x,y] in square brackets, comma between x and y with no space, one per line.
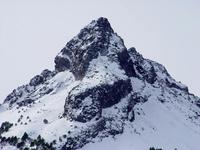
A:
[101,95]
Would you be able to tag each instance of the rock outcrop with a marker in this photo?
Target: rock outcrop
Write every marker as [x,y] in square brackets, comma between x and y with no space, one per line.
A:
[98,89]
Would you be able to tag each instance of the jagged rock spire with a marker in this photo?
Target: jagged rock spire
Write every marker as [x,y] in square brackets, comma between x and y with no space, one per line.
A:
[92,40]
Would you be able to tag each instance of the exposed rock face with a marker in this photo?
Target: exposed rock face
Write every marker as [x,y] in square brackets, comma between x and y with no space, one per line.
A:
[126,63]
[89,43]
[89,104]
[97,90]
[174,85]
[79,140]
[153,72]
[26,94]
[144,69]
[38,79]
[94,40]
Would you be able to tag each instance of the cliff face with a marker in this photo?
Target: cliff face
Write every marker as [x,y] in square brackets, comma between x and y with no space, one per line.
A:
[101,90]
[96,39]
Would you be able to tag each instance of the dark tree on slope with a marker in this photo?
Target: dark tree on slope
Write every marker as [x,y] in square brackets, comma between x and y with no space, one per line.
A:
[13,140]
[25,137]
[20,145]
[5,126]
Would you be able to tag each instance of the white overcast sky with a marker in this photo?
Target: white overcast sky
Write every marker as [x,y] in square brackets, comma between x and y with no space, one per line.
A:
[32,32]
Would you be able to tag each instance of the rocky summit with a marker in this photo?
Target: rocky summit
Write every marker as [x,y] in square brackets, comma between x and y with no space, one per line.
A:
[101,95]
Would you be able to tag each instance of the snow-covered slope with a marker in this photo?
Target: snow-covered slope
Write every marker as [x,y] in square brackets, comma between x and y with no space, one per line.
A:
[101,95]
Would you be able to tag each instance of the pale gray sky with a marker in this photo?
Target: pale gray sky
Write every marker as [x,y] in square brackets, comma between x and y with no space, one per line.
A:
[32,32]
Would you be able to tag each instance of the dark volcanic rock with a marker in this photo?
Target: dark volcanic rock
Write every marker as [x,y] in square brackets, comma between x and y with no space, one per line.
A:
[89,104]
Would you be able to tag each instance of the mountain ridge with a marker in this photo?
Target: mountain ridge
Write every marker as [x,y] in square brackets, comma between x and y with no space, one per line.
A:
[99,90]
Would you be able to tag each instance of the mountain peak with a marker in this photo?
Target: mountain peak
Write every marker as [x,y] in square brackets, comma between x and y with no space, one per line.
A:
[97,38]
[100,92]
[103,20]
[98,27]
[103,24]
